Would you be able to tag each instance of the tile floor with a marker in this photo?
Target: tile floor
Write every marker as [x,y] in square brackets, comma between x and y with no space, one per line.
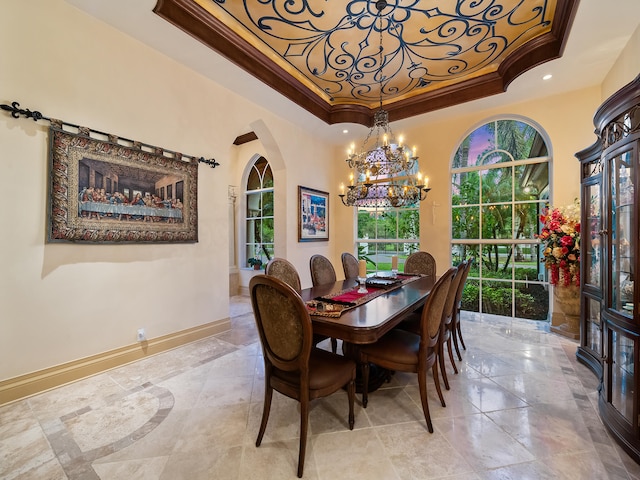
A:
[520,408]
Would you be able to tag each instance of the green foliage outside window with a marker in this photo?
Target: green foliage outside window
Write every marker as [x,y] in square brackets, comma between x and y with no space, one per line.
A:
[499,185]
[383,233]
[259,212]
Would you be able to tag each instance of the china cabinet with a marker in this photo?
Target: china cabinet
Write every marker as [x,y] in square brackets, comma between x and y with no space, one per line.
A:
[590,349]
[610,319]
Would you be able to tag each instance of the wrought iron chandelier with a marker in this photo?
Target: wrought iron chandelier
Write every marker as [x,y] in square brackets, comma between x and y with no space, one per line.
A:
[387,174]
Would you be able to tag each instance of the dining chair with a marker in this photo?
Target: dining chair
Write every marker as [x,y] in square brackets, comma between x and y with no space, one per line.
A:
[350,265]
[420,262]
[400,350]
[322,270]
[284,270]
[448,324]
[456,330]
[414,321]
[292,365]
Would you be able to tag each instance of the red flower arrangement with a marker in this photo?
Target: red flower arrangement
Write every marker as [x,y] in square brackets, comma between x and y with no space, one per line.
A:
[561,239]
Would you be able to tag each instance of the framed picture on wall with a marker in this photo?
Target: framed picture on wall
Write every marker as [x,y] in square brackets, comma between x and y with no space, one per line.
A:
[106,192]
[313,215]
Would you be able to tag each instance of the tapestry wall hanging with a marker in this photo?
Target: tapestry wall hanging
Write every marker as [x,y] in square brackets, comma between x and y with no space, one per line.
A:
[102,191]
[109,189]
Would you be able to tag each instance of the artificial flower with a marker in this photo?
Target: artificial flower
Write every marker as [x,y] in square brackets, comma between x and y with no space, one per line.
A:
[560,236]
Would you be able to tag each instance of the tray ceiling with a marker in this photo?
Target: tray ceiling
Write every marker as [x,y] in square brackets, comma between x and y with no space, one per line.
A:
[325,56]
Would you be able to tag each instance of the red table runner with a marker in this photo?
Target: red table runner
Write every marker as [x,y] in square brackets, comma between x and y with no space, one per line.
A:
[334,304]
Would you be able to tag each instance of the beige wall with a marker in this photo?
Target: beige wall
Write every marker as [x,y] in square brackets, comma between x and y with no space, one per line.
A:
[296,160]
[626,68]
[62,302]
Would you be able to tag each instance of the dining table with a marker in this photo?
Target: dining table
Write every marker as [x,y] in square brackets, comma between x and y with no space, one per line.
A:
[368,318]
[369,321]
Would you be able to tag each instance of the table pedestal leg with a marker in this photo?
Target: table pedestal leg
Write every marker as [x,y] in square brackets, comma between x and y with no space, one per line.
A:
[377,374]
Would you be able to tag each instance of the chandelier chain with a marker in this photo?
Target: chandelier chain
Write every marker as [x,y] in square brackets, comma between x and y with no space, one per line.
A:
[386,175]
[380,50]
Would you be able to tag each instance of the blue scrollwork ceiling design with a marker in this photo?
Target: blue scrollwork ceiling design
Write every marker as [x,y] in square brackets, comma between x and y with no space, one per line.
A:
[333,47]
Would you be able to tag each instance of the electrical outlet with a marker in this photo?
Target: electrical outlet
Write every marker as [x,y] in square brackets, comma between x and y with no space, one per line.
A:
[141,335]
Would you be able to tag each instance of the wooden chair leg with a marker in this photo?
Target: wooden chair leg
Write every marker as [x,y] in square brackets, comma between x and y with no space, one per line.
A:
[453,363]
[268,394]
[334,345]
[304,423]
[441,362]
[454,334]
[460,332]
[436,380]
[422,384]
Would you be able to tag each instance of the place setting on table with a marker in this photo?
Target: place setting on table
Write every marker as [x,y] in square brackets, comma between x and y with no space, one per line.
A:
[366,289]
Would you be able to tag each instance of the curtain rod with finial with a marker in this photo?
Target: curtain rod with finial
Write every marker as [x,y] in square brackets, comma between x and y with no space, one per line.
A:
[16,112]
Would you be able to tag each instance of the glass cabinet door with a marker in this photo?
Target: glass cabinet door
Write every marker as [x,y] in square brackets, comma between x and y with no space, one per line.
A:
[593,236]
[593,328]
[622,234]
[623,358]
[594,258]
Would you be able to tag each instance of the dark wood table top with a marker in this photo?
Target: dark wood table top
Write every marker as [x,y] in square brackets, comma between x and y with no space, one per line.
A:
[368,322]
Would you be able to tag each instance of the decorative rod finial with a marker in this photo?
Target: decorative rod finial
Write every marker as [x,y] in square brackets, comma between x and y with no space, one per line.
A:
[209,161]
[15,111]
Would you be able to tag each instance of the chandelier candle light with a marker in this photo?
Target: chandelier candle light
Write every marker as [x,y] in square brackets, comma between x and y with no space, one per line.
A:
[386,175]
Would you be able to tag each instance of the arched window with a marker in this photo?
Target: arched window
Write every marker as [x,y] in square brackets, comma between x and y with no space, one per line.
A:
[499,185]
[259,213]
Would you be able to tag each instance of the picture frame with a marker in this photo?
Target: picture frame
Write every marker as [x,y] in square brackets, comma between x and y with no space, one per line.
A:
[103,191]
[313,215]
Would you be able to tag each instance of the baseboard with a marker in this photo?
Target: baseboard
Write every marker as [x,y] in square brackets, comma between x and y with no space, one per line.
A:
[37,382]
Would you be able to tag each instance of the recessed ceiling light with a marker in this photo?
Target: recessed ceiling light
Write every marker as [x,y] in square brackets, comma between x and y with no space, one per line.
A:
[547,76]
[345,131]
